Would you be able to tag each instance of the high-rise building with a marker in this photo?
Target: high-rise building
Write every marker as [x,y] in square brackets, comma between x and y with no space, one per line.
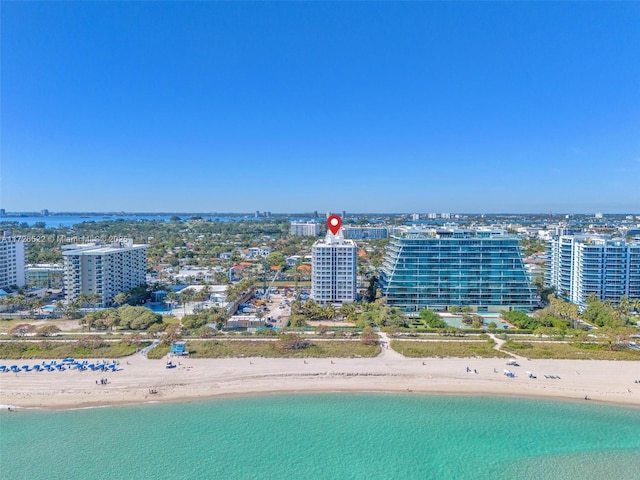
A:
[12,262]
[360,233]
[103,269]
[3,212]
[305,229]
[580,265]
[334,270]
[431,268]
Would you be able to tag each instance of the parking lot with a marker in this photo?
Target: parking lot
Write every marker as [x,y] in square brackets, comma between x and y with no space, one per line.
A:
[279,309]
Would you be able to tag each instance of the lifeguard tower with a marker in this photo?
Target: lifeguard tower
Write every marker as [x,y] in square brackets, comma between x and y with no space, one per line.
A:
[179,348]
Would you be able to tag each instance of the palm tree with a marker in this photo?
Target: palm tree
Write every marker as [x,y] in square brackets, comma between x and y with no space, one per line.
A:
[59,308]
[82,299]
[120,298]
[112,319]
[172,297]
[94,299]
[187,295]
[624,305]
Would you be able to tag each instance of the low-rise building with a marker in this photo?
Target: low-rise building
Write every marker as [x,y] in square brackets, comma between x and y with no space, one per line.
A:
[46,275]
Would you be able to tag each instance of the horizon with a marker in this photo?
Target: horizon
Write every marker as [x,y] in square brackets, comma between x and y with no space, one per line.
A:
[321,215]
[386,107]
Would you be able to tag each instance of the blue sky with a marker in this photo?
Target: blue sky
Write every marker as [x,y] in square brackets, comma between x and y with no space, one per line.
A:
[289,107]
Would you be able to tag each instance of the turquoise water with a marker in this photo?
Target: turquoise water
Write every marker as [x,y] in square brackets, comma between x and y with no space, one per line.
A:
[332,436]
[70,220]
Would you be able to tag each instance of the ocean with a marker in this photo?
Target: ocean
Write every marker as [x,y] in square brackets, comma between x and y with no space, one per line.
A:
[53,221]
[326,436]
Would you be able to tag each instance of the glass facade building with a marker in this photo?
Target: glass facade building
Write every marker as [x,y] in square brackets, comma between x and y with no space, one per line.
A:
[440,268]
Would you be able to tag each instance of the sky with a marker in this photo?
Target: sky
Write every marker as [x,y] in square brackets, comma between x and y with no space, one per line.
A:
[485,107]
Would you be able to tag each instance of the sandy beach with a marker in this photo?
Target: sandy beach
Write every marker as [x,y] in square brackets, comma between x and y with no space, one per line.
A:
[141,380]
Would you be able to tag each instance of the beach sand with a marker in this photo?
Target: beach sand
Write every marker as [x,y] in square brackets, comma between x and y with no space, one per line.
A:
[600,381]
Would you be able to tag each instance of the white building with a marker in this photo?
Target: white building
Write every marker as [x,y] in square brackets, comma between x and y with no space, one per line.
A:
[334,270]
[12,265]
[49,275]
[580,265]
[370,233]
[305,229]
[103,269]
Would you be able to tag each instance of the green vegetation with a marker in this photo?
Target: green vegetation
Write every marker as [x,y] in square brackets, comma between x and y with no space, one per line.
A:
[257,348]
[532,245]
[452,348]
[310,311]
[215,316]
[377,314]
[575,350]
[523,321]
[604,314]
[123,318]
[158,352]
[88,347]
[237,289]
[431,319]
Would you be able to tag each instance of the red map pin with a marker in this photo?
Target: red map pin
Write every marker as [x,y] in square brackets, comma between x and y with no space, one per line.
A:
[334,222]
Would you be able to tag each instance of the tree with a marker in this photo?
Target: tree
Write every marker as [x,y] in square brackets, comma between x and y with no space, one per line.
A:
[369,336]
[187,295]
[22,329]
[322,329]
[112,319]
[290,341]
[172,297]
[348,311]
[372,290]
[120,298]
[624,306]
[48,330]
[276,259]
[432,319]
[156,329]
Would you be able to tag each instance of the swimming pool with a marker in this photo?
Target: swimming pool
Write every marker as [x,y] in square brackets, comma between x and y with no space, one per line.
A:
[158,308]
[456,320]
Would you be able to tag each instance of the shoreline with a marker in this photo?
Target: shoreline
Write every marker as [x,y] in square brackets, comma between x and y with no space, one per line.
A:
[275,393]
[602,381]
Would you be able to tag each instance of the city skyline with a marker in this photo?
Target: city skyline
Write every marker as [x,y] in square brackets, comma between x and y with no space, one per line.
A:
[214,107]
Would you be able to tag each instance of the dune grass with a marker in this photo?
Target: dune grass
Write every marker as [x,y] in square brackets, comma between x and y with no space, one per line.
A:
[574,350]
[53,349]
[250,348]
[462,349]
